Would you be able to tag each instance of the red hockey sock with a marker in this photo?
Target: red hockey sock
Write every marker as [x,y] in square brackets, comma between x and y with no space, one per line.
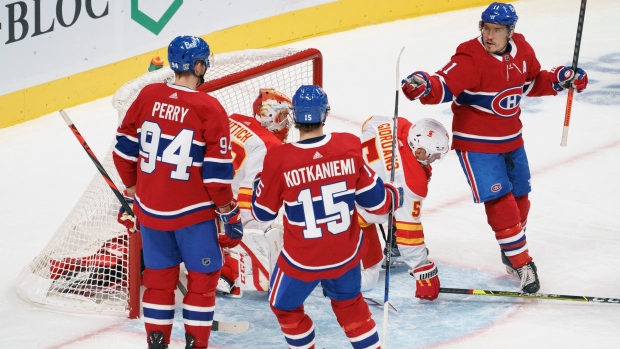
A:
[523,202]
[199,306]
[158,300]
[355,319]
[504,217]
[297,327]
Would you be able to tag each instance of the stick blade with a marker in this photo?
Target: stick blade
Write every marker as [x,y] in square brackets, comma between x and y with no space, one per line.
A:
[230,327]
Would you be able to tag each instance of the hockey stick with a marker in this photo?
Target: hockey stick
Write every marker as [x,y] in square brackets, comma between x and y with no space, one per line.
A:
[571,90]
[386,303]
[549,296]
[218,326]
[92,156]
[134,240]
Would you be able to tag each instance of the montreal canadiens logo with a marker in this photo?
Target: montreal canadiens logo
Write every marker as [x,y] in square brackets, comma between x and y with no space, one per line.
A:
[496,187]
[506,103]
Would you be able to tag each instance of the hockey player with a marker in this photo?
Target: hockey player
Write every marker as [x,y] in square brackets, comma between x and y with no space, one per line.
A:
[485,80]
[320,179]
[249,265]
[173,156]
[418,146]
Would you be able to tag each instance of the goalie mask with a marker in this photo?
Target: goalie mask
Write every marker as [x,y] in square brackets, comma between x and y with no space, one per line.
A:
[272,109]
[430,135]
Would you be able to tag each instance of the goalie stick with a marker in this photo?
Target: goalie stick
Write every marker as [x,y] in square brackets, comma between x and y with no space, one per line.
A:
[219,326]
[547,296]
[386,303]
[571,90]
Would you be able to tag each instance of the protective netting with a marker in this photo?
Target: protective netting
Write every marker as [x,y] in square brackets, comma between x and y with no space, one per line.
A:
[84,267]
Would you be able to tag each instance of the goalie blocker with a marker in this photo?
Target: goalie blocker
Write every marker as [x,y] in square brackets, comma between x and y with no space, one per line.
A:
[248,266]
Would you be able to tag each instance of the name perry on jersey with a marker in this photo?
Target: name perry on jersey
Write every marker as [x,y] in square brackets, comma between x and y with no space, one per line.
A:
[169,111]
[319,171]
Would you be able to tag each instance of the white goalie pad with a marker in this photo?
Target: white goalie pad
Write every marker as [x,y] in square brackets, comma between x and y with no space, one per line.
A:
[257,255]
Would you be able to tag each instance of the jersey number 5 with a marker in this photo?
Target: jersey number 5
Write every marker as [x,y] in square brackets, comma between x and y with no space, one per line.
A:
[334,211]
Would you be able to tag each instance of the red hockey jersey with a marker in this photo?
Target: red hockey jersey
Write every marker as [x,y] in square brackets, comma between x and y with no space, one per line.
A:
[319,181]
[486,91]
[174,145]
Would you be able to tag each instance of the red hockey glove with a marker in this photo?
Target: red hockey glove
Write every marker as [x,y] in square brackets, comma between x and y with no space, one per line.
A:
[125,218]
[427,281]
[564,77]
[233,229]
[397,195]
[416,85]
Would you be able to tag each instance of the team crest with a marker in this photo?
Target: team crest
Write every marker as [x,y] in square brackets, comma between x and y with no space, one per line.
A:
[496,187]
[506,103]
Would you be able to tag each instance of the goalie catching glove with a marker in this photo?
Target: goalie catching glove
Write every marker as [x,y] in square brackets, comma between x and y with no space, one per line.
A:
[427,281]
[564,77]
[124,218]
[233,228]
[416,85]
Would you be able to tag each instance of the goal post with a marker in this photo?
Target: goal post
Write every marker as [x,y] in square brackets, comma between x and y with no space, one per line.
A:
[91,265]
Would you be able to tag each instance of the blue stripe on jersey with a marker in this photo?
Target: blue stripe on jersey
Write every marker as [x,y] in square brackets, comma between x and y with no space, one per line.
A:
[261,214]
[158,313]
[372,196]
[126,146]
[296,215]
[175,214]
[196,151]
[197,315]
[217,171]
[482,139]
[447,94]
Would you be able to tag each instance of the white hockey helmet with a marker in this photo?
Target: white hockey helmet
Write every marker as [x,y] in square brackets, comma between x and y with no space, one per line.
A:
[272,109]
[430,135]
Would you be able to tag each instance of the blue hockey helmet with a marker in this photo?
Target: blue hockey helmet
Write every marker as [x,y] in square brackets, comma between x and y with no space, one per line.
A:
[184,51]
[310,105]
[500,13]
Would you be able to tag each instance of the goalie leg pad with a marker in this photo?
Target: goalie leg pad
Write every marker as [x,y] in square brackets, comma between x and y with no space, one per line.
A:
[199,306]
[158,300]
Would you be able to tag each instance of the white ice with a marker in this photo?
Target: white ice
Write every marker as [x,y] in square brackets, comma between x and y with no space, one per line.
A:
[573,231]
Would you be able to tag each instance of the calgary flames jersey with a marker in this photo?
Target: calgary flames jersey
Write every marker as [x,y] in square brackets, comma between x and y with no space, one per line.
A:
[377,136]
[250,142]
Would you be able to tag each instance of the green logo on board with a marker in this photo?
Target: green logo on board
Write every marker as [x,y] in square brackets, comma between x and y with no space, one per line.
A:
[149,23]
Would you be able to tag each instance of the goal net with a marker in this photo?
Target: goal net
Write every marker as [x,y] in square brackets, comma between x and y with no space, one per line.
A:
[91,264]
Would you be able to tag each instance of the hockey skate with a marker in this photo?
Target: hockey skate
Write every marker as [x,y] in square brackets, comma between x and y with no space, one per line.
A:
[156,340]
[527,274]
[189,341]
[227,288]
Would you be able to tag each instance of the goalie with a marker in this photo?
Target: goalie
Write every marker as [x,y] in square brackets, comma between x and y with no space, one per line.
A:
[248,266]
